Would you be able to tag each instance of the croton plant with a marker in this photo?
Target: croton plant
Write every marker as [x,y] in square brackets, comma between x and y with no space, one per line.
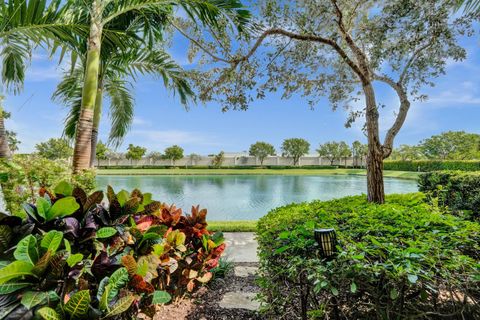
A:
[76,258]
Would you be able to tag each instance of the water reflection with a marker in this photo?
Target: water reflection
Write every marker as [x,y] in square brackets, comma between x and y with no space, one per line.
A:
[246,197]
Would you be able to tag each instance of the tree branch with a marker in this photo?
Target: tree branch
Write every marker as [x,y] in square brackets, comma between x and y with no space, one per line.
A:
[401,116]
[412,59]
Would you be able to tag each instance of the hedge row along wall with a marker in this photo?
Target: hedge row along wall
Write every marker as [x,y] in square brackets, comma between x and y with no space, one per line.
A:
[432,165]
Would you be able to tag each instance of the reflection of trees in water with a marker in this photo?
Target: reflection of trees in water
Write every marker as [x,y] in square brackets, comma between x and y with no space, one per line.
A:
[296,184]
[262,183]
[173,185]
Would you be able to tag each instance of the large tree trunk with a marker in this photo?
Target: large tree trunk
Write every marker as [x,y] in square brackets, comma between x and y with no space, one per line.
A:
[83,138]
[375,189]
[96,124]
[4,150]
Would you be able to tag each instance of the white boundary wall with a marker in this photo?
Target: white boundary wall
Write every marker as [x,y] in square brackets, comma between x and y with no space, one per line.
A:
[230,161]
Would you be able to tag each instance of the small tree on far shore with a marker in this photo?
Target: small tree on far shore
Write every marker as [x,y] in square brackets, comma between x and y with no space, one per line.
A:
[173,153]
[155,156]
[193,157]
[261,150]
[334,150]
[359,151]
[135,152]
[101,151]
[295,148]
[218,159]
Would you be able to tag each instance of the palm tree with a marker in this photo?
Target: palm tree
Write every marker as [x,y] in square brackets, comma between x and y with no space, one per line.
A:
[24,24]
[117,68]
[29,23]
[144,17]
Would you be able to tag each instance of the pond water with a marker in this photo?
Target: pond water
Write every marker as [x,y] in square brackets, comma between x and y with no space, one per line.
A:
[246,197]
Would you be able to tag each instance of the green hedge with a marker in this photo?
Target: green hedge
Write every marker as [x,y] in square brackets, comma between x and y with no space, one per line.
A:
[455,189]
[400,260]
[432,165]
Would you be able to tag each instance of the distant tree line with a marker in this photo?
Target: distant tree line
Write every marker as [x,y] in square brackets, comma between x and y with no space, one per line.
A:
[450,145]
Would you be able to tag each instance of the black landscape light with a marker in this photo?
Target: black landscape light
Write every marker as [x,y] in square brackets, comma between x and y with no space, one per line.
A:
[327,241]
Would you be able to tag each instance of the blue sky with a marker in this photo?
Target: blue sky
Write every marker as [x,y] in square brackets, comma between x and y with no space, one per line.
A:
[161,121]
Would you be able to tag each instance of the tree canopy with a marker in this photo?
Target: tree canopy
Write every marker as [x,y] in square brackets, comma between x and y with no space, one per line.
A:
[295,148]
[135,152]
[261,150]
[334,150]
[54,148]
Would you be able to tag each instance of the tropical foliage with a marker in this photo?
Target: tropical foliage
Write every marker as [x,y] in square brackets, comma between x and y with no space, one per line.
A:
[22,177]
[72,258]
[399,260]
[173,153]
[135,152]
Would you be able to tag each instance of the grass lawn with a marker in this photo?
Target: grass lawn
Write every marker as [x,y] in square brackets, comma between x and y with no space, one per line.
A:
[233,226]
[293,171]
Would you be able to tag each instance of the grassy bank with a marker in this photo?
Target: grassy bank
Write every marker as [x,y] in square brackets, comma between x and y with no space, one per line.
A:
[233,226]
[293,171]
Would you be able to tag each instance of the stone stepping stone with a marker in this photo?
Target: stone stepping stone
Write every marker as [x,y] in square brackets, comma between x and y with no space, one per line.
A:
[244,272]
[241,247]
[239,300]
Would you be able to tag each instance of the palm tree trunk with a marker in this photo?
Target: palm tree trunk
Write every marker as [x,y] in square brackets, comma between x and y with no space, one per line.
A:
[96,124]
[83,138]
[4,150]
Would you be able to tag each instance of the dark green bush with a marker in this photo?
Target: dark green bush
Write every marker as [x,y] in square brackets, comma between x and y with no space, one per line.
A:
[432,165]
[400,260]
[455,189]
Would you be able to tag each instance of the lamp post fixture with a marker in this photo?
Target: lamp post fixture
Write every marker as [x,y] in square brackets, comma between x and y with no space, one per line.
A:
[327,241]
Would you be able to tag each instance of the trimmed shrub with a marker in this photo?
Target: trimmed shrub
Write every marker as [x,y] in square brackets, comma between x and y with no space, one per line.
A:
[73,258]
[455,189]
[432,165]
[400,260]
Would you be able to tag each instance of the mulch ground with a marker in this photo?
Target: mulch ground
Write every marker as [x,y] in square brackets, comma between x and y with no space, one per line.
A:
[204,304]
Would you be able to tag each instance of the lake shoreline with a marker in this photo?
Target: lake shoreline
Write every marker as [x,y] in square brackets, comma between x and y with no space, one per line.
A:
[408,175]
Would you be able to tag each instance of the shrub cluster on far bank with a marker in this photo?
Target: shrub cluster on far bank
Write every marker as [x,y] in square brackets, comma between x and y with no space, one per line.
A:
[432,165]
[398,260]
[456,190]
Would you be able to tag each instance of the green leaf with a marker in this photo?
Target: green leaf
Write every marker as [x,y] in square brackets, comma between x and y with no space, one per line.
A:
[353,287]
[64,188]
[43,206]
[161,297]
[27,250]
[106,232]
[123,197]
[10,287]
[412,278]
[77,306]
[121,306]
[63,207]
[334,291]
[15,270]
[101,288]
[117,280]
[393,294]
[48,314]
[66,243]
[52,240]
[73,259]
[31,299]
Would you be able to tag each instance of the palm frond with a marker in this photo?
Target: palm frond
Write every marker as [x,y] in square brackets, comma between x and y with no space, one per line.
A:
[121,108]
[16,52]
[142,61]
[470,6]
[69,94]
